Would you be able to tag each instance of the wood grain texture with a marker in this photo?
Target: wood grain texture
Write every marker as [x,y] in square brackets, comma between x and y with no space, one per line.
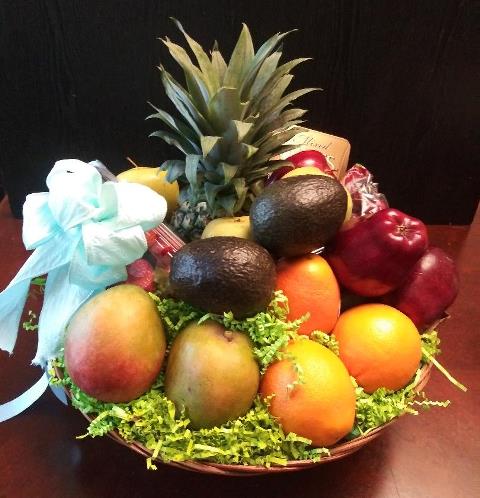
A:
[398,80]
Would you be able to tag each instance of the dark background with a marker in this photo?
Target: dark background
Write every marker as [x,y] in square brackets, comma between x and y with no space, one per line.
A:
[398,80]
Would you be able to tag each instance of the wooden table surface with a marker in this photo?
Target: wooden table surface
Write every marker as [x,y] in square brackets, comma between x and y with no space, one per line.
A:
[434,455]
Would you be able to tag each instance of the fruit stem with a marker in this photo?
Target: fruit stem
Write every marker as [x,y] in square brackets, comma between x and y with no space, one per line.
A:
[444,371]
[131,161]
[228,334]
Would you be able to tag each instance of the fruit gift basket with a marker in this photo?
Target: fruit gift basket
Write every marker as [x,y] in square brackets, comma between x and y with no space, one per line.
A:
[254,307]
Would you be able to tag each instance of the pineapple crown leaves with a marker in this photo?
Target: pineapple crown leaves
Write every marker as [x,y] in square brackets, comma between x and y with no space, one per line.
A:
[233,119]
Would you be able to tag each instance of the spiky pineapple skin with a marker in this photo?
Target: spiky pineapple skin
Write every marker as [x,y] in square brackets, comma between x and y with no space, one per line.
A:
[189,221]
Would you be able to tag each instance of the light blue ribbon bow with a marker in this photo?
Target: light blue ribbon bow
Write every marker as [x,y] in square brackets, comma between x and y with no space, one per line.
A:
[83,232]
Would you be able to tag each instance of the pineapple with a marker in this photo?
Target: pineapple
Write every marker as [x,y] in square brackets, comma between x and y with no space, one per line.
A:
[233,119]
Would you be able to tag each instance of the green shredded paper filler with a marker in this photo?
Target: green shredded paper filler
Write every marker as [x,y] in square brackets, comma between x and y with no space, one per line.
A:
[254,439]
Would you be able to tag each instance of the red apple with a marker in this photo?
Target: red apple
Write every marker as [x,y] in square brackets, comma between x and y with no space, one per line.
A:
[374,256]
[311,158]
[429,289]
[299,160]
[277,174]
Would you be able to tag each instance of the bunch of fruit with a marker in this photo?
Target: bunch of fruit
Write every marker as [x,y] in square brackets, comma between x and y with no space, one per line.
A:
[383,255]
[263,224]
[115,345]
[211,373]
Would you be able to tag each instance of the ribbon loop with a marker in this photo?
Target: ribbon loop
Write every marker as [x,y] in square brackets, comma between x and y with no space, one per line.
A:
[84,232]
[38,222]
[75,192]
[20,404]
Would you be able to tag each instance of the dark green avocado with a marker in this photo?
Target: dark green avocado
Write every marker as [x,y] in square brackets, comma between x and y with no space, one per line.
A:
[222,274]
[296,215]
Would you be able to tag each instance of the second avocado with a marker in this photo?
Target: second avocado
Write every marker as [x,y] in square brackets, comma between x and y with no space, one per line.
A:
[296,215]
[221,274]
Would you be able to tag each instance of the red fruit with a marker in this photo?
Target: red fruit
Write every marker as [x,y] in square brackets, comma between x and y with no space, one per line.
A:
[151,238]
[299,160]
[141,273]
[311,158]
[429,289]
[375,255]
[277,174]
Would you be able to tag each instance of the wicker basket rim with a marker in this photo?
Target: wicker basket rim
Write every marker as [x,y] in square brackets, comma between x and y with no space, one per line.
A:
[339,450]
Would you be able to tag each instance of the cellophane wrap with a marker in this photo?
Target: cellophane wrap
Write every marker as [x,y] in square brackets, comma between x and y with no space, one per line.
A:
[366,199]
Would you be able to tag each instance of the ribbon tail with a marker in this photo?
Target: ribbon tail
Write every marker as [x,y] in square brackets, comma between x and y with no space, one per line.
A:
[58,307]
[25,400]
[59,393]
[56,252]
[12,302]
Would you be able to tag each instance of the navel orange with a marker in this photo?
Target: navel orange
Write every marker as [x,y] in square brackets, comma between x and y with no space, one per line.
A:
[311,287]
[379,345]
[313,393]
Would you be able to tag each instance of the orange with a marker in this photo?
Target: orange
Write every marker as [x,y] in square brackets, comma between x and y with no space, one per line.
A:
[311,287]
[320,407]
[379,345]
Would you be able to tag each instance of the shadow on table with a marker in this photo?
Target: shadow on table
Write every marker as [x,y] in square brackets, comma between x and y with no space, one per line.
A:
[123,474]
